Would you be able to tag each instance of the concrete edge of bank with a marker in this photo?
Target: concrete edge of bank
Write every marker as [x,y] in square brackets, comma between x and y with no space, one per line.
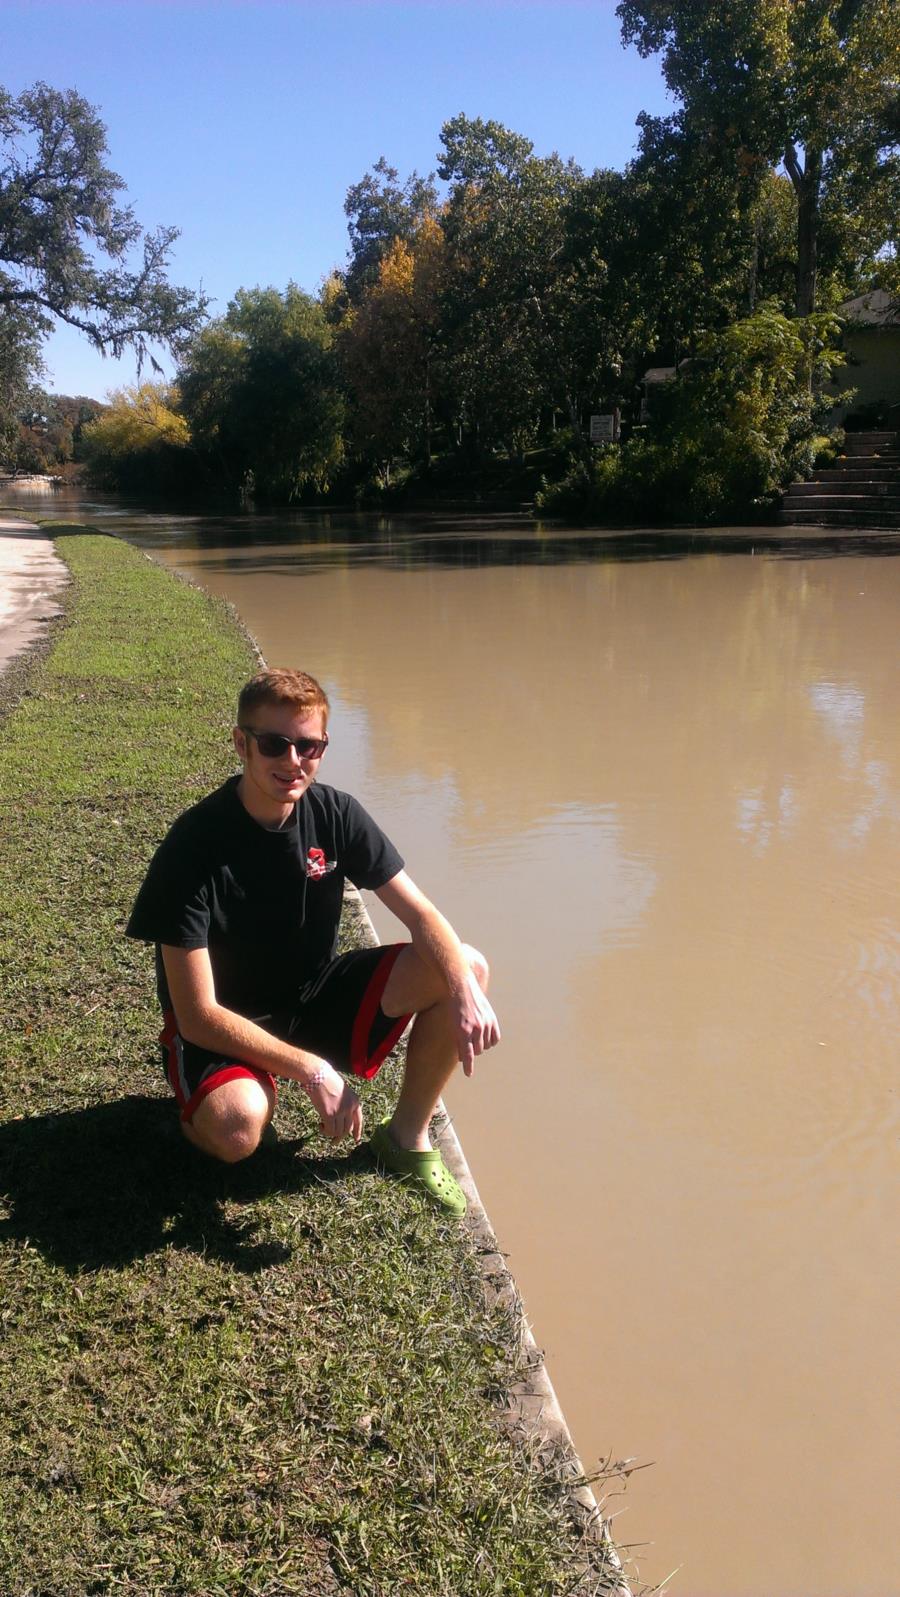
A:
[534,1408]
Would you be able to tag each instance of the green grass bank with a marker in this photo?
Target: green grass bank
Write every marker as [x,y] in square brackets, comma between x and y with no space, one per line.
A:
[270,1379]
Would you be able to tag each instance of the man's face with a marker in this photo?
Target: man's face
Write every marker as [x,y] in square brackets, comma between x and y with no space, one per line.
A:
[270,784]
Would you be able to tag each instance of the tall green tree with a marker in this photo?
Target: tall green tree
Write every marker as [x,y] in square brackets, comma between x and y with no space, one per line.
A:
[387,347]
[261,392]
[503,223]
[602,315]
[68,247]
[380,210]
[812,84]
[682,238]
[59,217]
[20,368]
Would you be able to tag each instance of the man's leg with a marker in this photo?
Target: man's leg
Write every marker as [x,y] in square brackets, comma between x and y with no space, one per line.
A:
[414,987]
[229,1122]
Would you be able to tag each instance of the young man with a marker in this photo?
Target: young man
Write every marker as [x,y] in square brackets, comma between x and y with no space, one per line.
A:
[242,900]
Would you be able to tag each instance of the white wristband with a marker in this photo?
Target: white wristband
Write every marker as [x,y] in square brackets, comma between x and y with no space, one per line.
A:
[315,1080]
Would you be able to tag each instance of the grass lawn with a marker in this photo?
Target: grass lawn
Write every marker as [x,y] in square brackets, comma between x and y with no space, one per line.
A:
[274,1378]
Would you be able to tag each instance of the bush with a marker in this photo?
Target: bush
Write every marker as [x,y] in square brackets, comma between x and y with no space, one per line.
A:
[826,447]
[723,439]
[141,442]
[584,490]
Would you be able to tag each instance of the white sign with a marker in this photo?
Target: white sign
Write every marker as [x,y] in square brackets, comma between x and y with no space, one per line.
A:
[605,429]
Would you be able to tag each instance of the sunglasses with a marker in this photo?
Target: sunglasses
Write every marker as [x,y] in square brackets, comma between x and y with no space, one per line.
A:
[272,745]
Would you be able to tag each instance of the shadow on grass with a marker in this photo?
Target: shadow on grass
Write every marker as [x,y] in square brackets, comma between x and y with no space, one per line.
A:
[100,1187]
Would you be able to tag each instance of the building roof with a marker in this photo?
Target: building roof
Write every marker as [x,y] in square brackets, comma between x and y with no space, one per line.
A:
[878,308]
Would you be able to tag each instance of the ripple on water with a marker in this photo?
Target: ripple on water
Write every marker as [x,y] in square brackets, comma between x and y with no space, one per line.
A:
[598,887]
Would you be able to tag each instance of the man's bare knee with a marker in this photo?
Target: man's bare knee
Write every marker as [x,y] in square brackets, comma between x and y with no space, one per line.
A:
[238,1143]
[415,986]
[230,1122]
[230,1143]
[479,965]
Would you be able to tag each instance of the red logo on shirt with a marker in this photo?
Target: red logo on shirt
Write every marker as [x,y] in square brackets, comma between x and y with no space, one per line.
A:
[317,865]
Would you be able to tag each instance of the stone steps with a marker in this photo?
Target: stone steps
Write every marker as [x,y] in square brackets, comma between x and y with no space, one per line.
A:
[886,458]
[877,473]
[845,502]
[883,519]
[862,488]
[874,439]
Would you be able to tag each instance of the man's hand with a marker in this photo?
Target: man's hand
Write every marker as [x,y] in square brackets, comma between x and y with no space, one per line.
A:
[477,1027]
[339,1109]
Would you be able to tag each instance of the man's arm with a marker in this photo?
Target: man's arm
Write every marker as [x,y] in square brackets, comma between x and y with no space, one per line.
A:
[207,1023]
[437,944]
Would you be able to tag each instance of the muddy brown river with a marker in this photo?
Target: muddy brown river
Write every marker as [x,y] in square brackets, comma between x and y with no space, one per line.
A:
[662,794]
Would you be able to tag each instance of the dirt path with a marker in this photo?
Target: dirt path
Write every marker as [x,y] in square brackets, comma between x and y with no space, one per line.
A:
[31,577]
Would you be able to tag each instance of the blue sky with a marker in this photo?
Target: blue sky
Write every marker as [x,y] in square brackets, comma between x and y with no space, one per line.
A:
[243,124]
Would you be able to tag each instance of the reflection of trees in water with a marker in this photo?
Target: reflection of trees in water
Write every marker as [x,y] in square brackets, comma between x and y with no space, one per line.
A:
[611,684]
[773,929]
[281,541]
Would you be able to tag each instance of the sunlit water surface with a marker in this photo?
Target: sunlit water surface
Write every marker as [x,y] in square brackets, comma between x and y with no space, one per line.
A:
[662,794]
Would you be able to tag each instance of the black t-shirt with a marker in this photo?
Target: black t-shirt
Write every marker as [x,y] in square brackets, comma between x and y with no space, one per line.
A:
[265,904]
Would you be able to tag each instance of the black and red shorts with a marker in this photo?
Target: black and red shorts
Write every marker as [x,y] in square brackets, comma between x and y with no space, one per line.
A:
[338,1016]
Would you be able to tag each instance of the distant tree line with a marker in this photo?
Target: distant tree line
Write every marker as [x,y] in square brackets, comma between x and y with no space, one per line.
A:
[48,435]
[487,310]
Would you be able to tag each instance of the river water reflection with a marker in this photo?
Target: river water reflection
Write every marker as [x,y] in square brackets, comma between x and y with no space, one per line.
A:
[659,786]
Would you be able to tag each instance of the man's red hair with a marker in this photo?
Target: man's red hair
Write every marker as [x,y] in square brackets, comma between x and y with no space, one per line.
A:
[280,686]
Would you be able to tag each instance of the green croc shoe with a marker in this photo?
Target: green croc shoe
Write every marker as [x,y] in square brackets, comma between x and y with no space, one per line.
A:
[426,1171]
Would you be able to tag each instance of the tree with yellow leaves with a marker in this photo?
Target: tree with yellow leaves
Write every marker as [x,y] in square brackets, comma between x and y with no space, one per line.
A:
[133,443]
[387,348]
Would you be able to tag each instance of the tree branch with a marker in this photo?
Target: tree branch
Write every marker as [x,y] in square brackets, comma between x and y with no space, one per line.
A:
[794,169]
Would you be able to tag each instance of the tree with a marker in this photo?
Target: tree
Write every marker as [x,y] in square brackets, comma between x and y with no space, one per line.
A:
[601,310]
[380,211]
[812,84]
[20,366]
[504,228]
[131,443]
[725,436]
[51,428]
[742,422]
[773,218]
[259,387]
[387,345]
[678,241]
[66,244]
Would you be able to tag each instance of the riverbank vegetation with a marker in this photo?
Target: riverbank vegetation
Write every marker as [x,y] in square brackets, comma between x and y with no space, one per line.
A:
[486,311]
[266,1379]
